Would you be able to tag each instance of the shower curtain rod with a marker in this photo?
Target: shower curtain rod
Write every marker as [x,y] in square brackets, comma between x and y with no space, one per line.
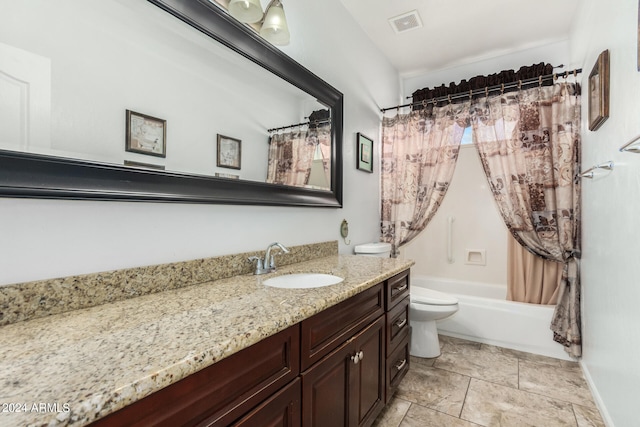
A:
[488,89]
[317,122]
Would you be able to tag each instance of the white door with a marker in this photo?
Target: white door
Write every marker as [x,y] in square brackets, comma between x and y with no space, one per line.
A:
[25,100]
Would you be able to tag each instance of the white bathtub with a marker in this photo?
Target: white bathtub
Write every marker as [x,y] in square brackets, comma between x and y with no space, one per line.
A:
[486,316]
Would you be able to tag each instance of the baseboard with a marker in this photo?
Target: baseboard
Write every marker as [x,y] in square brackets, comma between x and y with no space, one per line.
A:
[606,418]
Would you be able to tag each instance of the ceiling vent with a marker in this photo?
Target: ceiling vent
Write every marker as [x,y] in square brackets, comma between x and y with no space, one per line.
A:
[406,22]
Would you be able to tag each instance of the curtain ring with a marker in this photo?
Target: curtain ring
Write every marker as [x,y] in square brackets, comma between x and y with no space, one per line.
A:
[566,74]
[470,94]
[519,84]
[486,91]
[555,77]
[449,97]
[575,73]
[501,88]
[539,81]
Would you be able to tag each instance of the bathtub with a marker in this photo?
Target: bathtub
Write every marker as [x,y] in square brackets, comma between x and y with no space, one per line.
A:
[486,316]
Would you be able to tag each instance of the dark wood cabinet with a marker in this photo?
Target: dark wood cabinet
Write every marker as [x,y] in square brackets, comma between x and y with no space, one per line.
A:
[280,410]
[398,333]
[223,392]
[346,388]
[336,368]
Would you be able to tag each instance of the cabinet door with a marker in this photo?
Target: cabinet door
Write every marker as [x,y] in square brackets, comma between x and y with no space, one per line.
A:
[367,394]
[325,389]
[346,388]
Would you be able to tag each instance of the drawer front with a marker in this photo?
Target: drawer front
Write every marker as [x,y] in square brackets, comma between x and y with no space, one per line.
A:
[397,289]
[281,410]
[325,331]
[397,368]
[221,393]
[397,325]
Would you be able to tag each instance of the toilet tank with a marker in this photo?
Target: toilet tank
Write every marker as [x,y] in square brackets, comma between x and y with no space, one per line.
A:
[377,249]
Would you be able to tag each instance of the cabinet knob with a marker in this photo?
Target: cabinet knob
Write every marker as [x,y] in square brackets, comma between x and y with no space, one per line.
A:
[357,357]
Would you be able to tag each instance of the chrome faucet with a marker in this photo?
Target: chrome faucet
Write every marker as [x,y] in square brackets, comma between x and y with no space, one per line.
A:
[268,264]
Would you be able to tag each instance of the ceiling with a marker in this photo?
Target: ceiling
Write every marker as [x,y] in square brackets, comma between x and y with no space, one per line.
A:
[458,32]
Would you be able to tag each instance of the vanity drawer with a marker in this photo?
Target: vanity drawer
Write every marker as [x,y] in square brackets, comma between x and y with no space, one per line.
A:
[396,289]
[397,324]
[325,331]
[397,368]
[221,393]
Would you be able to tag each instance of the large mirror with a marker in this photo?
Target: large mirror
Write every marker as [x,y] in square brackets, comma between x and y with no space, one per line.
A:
[119,100]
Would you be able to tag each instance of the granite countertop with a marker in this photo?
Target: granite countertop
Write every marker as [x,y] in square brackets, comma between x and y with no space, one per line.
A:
[75,367]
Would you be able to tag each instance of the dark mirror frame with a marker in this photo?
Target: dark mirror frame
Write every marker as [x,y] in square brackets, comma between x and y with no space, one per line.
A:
[28,175]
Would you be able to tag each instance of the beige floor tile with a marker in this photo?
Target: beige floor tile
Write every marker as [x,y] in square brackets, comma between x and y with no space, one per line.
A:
[434,388]
[529,356]
[588,417]
[564,383]
[491,404]
[473,361]
[422,361]
[393,413]
[453,341]
[419,416]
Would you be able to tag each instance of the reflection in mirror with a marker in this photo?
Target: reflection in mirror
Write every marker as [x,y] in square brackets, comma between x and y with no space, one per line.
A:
[66,94]
[300,155]
[200,87]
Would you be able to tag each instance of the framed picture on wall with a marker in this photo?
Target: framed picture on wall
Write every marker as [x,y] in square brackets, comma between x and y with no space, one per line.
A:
[229,152]
[145,134]
[364,153]
[599,92]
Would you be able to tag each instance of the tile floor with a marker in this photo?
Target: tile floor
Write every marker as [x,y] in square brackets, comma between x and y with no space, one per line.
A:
[473,384]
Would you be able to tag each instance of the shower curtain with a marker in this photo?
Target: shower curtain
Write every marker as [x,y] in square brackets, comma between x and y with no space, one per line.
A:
[419,154]
[290,158]
[529,146]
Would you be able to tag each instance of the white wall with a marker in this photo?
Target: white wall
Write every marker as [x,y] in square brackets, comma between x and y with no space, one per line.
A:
[610,270]
[478,224]
[555,54]
[47,238]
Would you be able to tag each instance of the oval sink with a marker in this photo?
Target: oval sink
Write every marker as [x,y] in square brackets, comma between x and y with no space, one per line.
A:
[303,281]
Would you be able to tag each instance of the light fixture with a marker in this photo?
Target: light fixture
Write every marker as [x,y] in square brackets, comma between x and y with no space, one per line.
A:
[273,23]
[247,11]
[274,28]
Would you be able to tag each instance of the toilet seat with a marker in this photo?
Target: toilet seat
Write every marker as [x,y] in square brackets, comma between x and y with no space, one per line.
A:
[431,297]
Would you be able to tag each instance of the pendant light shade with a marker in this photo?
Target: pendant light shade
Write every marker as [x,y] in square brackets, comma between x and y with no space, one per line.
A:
[274,28]
[248,11]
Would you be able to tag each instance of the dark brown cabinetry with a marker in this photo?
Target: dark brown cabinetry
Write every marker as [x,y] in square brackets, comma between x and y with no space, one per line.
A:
[346,388]
[223,392]
[397,324]
[336,368]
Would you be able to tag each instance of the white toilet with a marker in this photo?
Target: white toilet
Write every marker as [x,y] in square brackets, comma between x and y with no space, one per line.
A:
[426,307]
[376,249]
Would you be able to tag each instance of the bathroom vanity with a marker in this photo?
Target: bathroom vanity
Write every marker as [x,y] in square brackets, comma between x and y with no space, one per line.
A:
[331,369]
[226,352]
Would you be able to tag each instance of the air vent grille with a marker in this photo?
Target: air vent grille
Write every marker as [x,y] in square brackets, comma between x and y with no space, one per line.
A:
[406,22]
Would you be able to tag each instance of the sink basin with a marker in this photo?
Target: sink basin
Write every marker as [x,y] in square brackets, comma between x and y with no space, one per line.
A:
[303,281]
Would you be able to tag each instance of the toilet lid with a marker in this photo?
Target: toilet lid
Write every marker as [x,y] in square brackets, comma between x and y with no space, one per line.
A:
[429,296]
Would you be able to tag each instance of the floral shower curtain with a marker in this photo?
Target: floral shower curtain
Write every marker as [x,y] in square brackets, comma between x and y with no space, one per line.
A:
[321,136]
[290,158]
[529,145]
[419,154]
